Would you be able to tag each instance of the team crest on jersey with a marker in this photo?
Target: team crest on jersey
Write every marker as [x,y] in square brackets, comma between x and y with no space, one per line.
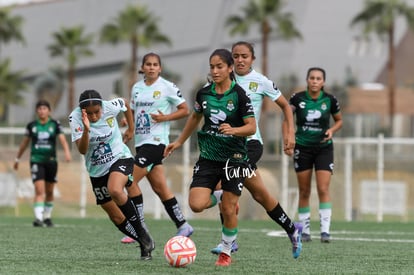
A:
[110,122]
[230,105]
[156,94]
[253,86]
[323,106]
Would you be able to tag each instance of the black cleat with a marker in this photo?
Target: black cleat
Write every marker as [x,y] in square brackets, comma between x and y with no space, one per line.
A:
[48,222]
[147,247]
[37,223]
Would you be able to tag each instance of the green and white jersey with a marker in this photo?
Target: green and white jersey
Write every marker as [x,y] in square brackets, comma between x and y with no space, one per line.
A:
[313,117]
[231,107]
[257,87]
[105,138]
[163,96]
[43,139]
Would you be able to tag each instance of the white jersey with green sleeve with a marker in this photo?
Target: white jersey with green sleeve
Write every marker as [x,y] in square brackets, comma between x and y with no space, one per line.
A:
[257,86]
[163,96]
[105,138]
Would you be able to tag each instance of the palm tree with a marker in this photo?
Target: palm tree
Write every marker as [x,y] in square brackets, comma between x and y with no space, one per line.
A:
[10,27]
[137,26]
[71,44]
[10,87]
[268,15]
[379,16]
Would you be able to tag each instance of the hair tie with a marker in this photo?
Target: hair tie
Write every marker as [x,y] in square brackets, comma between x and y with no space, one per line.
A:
[89,99]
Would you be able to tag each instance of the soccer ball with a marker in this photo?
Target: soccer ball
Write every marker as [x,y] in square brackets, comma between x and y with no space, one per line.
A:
[180,251]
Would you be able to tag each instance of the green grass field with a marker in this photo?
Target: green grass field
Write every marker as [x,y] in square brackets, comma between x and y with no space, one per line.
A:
[92,246]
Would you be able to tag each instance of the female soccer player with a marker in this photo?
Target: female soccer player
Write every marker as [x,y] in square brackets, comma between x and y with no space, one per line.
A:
[43,133]
[228,120]
[257,87]
[314,148]
[109,162]
[155,102]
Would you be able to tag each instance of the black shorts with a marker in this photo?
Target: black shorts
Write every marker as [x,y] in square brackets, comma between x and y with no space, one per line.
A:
[149,155]
[254,152]
[307,157]
[100,184]
[44,171]
[208,173]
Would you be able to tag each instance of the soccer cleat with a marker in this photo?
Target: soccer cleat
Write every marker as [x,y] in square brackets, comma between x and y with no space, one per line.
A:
[48,222]
[219,248]
[37,223]
[223,260]
[127,239]
[306,238]
[325,237]
[296,239]
[147,247]
[185,230]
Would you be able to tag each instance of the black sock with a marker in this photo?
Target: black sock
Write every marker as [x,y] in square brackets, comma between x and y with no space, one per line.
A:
[130,212]
[126,228]
[281,218]
[174,211]
[139,205]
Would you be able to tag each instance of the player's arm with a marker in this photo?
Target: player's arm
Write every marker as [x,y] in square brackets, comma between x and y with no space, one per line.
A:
[83,142]
[129,117]
[191,124]
[23,145]
[65,147]
[288,128]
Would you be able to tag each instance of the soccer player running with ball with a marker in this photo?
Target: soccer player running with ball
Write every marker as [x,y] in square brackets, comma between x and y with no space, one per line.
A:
[228,120]
[109,162]
[257,87]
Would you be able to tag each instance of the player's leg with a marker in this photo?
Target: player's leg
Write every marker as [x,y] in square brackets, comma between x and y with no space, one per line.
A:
[38,177]
[275,211]
[324,169]
[158,183]
[50,183]
[304,183]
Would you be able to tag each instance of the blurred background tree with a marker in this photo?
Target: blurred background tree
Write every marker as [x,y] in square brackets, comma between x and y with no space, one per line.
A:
[379,17]
[137,26]
[72,44]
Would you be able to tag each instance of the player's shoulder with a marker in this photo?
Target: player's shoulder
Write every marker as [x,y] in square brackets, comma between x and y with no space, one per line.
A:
[167,83]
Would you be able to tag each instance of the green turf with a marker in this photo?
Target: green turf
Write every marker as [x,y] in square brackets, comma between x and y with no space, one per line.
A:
[92,246]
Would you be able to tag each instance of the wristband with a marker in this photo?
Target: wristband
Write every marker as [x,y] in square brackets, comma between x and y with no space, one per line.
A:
[16,160]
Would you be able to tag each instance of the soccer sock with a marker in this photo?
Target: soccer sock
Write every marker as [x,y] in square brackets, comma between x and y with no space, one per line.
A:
[139,205]
[47,212]
[228,236]
[304,218]
[38,209]
[325,213]
[174,211]
[127,228]
[281,218]
[218,194]
[130,212]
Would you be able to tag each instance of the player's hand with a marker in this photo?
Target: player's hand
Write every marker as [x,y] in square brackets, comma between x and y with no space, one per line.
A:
[85,120]
[158,117]
[169,149]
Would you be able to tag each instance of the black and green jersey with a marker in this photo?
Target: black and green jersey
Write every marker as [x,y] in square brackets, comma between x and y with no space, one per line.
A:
[43,137]
[231,107]
[313,116]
